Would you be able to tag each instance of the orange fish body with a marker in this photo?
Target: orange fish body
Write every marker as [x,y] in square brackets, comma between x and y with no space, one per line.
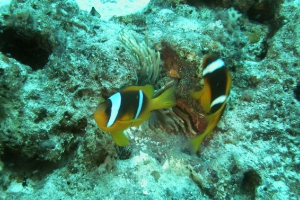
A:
[214,95]
[128,108]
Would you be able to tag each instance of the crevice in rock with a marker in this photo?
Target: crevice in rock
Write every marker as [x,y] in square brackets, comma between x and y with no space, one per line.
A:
[30,48]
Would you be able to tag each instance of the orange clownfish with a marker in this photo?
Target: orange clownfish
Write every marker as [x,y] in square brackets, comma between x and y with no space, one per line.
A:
[130,107]
[214,95]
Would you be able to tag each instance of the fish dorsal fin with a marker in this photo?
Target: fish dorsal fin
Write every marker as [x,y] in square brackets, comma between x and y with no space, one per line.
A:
[148,90]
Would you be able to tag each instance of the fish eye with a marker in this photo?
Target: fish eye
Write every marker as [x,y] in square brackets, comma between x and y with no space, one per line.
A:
[107,106]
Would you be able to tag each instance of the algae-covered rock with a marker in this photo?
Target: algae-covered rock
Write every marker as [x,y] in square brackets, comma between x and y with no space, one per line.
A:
[46,110]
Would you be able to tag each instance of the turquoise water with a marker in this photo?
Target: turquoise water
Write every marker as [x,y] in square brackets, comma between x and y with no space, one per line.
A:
[58,61]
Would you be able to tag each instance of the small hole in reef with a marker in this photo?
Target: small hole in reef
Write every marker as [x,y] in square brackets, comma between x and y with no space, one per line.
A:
[297,92]
[262,11]
[251,181]
[264,51]
[29,48]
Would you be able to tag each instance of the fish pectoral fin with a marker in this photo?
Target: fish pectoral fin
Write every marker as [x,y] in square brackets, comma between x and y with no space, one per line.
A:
[133,122]
[129,121]
[141,119]
[120,138]
[197,94]
[204,97]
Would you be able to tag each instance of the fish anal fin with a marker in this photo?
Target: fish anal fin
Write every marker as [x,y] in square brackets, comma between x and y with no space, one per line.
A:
[216,115]
[196,142]
[213,120]
[120,138]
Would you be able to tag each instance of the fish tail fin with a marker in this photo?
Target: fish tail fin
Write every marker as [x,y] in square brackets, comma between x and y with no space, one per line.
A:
[165,100]
[120,138]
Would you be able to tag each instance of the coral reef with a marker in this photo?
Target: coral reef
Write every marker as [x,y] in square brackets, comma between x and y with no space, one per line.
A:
[57,61]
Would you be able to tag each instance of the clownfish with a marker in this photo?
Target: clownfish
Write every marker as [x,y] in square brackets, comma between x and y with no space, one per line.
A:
[130,107]
[214,95]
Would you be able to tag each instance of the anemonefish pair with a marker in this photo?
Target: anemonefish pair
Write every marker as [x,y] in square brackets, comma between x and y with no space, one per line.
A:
[214,95]
[130,107]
